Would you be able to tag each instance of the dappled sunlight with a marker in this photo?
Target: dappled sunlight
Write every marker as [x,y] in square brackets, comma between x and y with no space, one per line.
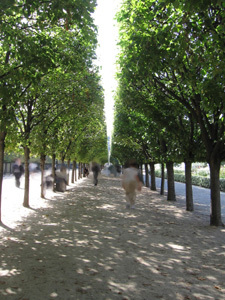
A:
[176,247]
[84,244]
[12,200]
[118,287]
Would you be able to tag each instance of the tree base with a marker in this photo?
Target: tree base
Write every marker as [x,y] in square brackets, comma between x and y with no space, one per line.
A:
[215,222]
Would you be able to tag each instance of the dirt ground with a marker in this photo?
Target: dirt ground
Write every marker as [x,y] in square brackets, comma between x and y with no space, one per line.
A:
[84,244]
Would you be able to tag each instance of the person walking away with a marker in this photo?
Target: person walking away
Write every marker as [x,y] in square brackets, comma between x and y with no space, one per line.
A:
[18,171]
[95,169]
[131,182]
[86,172]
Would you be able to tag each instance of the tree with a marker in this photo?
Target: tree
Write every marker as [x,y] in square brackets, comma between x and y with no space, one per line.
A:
[180,53]
[36,38]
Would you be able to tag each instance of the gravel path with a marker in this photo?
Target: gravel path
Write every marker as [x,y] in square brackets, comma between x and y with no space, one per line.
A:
[84,244]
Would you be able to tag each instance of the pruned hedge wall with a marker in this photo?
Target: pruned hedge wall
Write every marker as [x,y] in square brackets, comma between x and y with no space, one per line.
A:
[196,180]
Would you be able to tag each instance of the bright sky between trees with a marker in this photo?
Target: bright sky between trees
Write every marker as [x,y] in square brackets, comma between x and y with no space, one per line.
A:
[107,52]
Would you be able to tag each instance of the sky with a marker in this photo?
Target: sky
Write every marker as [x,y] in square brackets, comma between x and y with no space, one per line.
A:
[106,52]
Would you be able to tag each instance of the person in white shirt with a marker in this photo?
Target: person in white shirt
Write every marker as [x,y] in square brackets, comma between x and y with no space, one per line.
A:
[131,183]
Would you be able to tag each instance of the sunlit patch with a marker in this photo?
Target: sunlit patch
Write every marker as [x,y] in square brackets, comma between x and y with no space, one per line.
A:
[176,247]
[117,287]
[82,242]
[53,295]
[80,271]
[95,231]
[54,241]
[211,278]
[13,291]
[133,243]
[37,242]
[107,206]
[143,262]
[12,272]
[109,237]
[84,260]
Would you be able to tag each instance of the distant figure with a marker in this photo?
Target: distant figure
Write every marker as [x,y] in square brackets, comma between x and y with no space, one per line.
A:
[131,182]
[61,179]
[113,170]
[118,169]
[95,169]
[33,168]
[18,171]
[48,182]
[86,172]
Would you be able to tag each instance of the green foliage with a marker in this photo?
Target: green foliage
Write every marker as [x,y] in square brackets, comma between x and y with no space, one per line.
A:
[222,185]
[201,181]
[196,180]
[222,172]
[171,70]
[50,93]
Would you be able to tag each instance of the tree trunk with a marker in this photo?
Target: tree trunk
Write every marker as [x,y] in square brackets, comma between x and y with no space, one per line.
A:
[53,170]
[170,180]
[80,176]
[75,170]
[2,147]
[189,194]
[27,177]
[152,171]
[162,179]
[146,176]
[140,172]
[42,162]
[215,217]
[68,165]
[81,170]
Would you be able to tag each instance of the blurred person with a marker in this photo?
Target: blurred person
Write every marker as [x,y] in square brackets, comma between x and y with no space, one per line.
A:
[48,183]
[33,167]
[118,169]
[112,170]
[95,169]
[61,179]
[18,171]
[131,182]
[86,172]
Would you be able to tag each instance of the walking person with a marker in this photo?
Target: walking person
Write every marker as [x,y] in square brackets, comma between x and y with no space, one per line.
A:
[18,171]
[86,172]
[131,182]
[95,169]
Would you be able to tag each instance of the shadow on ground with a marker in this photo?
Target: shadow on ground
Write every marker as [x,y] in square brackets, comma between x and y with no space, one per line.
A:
[86,245]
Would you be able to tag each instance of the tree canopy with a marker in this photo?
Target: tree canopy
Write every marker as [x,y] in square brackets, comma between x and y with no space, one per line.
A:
[51,98]
[171,70]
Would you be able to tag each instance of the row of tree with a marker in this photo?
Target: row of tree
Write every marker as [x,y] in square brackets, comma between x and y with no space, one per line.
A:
[170,99]
[51,99]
